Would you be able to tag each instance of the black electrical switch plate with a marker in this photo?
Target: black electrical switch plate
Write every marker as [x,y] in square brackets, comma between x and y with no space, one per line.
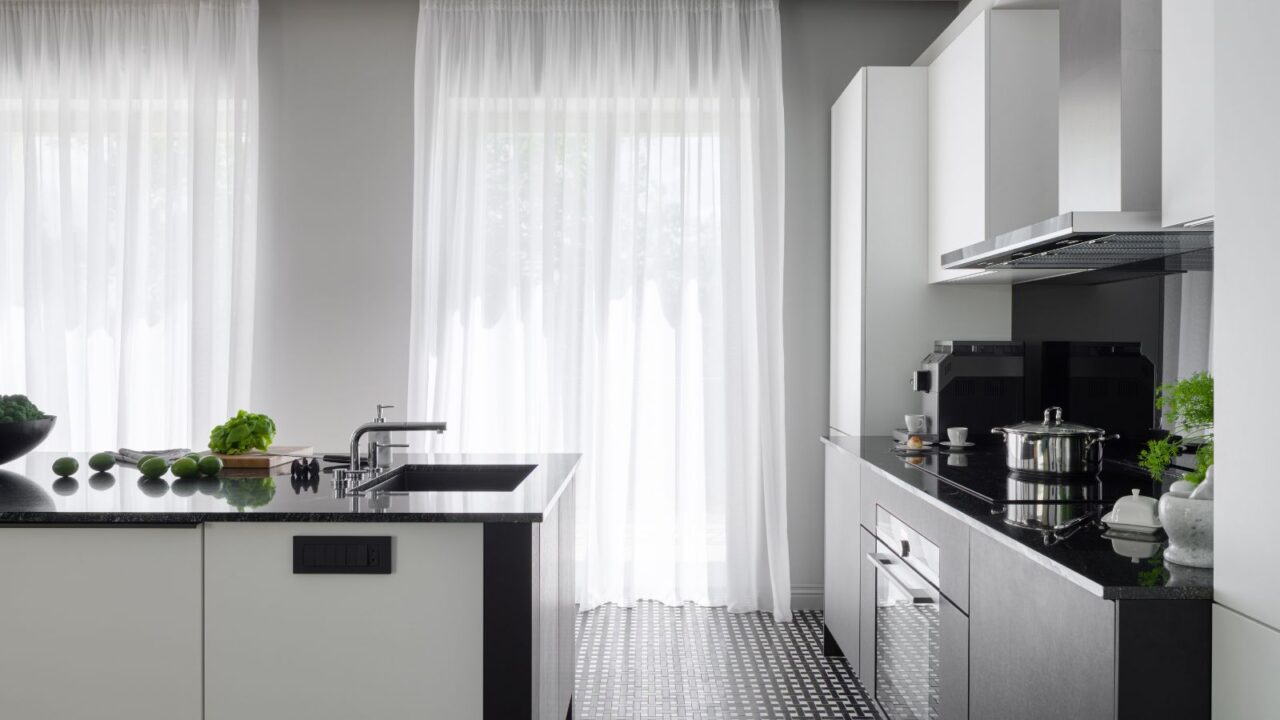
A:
[341,555]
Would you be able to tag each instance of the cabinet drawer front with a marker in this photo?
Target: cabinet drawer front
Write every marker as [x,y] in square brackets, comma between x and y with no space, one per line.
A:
[413,638]
[100,622]
[949,534]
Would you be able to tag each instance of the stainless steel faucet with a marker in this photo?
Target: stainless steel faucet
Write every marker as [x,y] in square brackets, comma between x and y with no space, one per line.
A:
[351,478]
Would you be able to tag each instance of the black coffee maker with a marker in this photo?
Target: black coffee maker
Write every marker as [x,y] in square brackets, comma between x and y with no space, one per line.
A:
[976,384]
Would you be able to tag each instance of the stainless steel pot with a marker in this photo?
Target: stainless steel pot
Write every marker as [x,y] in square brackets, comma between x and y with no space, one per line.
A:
[1053,446]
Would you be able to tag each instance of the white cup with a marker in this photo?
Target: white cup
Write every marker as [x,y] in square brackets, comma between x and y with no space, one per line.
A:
[916,423]
[958,435]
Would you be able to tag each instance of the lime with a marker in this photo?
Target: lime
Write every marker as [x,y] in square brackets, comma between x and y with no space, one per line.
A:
[102,461]
[65,466]
[193,456]
[185,468]
[153,467]
[143,459]
[210,464]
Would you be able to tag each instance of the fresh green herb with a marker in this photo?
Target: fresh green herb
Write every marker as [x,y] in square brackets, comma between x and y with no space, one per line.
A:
[243,493]
[242,433]
[1188,411]
[17,408]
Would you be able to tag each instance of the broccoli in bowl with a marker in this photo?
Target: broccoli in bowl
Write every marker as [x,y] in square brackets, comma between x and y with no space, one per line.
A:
[17,408]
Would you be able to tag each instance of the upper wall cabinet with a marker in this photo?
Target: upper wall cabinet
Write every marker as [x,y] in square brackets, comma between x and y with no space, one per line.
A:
[1187,111]
[993,132]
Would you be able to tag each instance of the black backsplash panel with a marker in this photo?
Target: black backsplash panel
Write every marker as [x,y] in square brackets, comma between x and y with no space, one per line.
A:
[1129,311]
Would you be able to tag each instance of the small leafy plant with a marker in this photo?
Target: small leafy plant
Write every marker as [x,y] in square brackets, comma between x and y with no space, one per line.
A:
[242,433]
[1188,408]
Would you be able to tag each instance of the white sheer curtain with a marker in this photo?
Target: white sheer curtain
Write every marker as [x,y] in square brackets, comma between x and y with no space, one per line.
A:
[598,269]
[128,180]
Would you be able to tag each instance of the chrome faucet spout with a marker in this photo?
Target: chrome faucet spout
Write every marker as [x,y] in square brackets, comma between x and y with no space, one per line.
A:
[388,426]
[349,480]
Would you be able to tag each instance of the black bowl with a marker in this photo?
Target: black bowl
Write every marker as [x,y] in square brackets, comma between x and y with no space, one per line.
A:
[19,438]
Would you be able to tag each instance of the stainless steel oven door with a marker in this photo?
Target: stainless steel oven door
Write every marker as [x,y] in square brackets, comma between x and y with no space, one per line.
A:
[908,629]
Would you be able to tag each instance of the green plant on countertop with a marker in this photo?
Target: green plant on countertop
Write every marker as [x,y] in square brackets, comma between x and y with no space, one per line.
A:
[1188,409]
[242,433]
[17,408]
[243,493]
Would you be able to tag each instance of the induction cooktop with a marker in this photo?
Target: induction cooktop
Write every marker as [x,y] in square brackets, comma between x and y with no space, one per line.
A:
[982,473]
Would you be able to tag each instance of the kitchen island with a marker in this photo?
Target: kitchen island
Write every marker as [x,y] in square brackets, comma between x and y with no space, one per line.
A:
[1005,612]
[446,593]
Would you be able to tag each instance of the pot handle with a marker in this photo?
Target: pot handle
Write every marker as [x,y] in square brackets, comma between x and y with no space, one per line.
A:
[997,430]
[1101,438]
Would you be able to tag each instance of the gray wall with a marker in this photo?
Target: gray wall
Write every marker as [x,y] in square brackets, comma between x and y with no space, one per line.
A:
[824,43]
[336,213]
[336,79]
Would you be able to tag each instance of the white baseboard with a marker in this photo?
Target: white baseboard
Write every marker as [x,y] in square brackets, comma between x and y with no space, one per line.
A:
[806,597]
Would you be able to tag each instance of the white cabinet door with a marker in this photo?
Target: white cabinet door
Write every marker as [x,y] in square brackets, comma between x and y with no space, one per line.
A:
[993,133]
[334,647]
[1187,110]
[100,623]
[848,228]
[958,148]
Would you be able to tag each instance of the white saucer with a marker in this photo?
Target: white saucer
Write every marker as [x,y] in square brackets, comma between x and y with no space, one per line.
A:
[1128,528]
[905,449]
[958,445]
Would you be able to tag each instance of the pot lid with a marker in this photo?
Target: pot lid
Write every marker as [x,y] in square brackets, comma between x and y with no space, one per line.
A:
[1053,424]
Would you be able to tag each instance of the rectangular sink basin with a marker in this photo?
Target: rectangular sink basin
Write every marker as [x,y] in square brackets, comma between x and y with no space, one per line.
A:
[458,478]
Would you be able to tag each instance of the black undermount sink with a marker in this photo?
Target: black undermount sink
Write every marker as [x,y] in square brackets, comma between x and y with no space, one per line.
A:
[457,478]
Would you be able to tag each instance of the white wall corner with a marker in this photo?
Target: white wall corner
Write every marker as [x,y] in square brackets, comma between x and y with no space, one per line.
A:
[806,597]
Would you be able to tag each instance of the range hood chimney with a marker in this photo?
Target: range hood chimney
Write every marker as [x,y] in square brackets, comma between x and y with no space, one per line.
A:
[1108,155]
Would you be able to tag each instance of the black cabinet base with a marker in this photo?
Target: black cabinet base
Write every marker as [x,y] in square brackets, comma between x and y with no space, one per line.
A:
[830,647]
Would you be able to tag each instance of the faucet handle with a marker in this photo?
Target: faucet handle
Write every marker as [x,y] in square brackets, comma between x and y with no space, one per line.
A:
[381,407]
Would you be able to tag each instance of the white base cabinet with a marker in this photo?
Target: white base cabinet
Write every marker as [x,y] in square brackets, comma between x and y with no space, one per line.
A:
[335,647]
[100,623]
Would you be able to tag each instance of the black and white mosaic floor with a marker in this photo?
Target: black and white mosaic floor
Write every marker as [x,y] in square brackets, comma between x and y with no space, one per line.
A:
[657,662]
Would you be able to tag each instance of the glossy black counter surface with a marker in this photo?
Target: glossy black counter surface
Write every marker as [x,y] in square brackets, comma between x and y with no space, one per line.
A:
[31,493]
[1104,566]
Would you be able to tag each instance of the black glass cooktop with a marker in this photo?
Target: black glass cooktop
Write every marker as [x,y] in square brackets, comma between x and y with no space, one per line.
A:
[982,473]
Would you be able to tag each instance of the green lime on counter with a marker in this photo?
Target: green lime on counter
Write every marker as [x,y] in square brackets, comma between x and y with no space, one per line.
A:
[102,462]
[210,464]
[145,458]
[153,467]
[65,466]
[193,456]
[185,468]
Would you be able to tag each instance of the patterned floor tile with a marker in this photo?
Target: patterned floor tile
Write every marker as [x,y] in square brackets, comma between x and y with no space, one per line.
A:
[659,662]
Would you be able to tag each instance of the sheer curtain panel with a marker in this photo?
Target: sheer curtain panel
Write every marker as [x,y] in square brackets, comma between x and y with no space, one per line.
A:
[128,174]
[598,268]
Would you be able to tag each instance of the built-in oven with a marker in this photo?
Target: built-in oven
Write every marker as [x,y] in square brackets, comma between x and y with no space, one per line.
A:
[921,637]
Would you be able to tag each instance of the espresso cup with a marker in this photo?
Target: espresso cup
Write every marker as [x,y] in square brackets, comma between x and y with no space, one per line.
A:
[958,435]
[916,424]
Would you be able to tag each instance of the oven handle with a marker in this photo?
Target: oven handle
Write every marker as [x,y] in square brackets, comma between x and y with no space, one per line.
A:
[885,563]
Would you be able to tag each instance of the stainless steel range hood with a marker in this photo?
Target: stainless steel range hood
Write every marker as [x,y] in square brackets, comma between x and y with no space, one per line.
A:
[1108,157]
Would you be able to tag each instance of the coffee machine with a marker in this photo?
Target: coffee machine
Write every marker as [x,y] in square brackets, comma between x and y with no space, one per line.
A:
[976,384]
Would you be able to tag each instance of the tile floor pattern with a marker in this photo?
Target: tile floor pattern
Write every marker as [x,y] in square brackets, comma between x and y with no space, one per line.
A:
[659,662]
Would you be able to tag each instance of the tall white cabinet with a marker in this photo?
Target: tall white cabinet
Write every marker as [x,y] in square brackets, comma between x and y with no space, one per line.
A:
[884,313]
[992,132]
[1187,108]
[1246,586]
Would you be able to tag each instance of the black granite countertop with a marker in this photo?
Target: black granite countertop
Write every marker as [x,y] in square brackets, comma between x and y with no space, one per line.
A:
[31,493]
[1111,567]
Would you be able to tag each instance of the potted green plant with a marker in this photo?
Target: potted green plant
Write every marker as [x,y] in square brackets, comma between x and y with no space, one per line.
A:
[1188,412]
[1186,508]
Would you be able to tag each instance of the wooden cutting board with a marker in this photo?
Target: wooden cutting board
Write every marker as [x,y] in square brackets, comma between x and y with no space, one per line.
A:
[275,455]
